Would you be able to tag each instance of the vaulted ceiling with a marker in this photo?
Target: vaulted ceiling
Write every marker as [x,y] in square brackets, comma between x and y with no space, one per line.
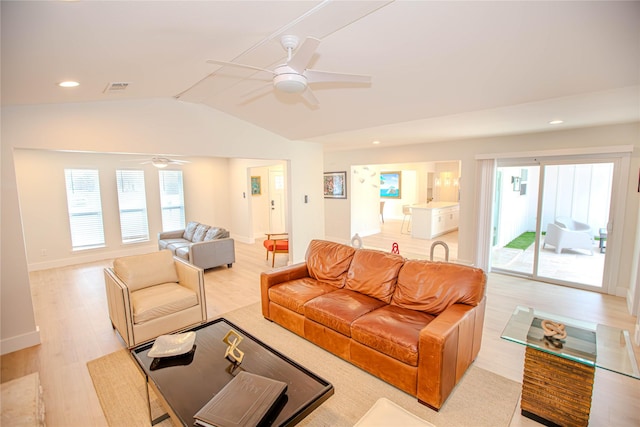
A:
[440,69]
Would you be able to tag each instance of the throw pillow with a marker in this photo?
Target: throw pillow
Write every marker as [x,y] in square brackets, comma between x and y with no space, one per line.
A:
[216,233]
[433,286]
[374,273]
[189,230]
[201,231]
[329,261]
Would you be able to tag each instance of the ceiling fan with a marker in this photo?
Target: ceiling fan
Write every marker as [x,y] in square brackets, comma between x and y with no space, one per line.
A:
[294,76]
[161,162]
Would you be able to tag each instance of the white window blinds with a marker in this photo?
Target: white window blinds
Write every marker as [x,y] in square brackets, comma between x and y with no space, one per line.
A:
[132,201]
[85,208]
[172,200]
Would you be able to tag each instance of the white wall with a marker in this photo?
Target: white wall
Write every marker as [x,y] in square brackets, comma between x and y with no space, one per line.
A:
[41,188]
[514,209]
[161,126]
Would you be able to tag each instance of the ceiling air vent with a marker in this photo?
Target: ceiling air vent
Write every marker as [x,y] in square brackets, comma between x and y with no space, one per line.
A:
[115,87]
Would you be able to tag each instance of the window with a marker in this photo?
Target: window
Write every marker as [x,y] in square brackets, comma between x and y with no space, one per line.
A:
[171,200]
[85,208]
[133,206]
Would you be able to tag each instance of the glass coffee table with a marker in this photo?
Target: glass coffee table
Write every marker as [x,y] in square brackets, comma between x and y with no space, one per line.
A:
[557,383]
[185,384]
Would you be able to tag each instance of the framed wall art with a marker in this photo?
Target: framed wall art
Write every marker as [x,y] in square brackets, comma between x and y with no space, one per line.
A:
[256,188]
[390,185]
[335,185]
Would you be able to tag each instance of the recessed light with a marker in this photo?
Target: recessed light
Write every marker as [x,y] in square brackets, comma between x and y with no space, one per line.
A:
[376,142]
[69,84]
[556,122]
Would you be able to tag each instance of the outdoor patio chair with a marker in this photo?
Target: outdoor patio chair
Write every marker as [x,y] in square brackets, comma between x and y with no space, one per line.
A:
[565,233]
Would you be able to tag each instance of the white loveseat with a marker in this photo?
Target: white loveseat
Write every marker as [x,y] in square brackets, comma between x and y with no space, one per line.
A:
[566,233]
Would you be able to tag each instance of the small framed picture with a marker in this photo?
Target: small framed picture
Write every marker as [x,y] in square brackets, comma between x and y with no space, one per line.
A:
[335,185]
[256,189]
[390,185]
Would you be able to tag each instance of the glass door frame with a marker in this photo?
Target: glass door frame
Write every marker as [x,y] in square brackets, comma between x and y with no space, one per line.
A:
[618,155]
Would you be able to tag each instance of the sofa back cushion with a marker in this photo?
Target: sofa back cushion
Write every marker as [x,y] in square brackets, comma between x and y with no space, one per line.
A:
[374,273]
[433,286]
[142,271]
[216,233]
[329,261]
[189,230]
[201,231]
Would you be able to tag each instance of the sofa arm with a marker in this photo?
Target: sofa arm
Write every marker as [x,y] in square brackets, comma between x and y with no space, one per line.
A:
[175,234]
[276,276]
[119,303]
[192,277]
[213,253]
[447,347]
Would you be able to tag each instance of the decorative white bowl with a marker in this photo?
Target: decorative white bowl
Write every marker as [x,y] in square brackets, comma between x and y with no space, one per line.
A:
[172,345]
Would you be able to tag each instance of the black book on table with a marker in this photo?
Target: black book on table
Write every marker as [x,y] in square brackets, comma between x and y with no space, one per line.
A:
[245,401]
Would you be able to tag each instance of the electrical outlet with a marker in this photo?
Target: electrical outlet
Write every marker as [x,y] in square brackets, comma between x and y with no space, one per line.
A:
[43,252]
[637,334]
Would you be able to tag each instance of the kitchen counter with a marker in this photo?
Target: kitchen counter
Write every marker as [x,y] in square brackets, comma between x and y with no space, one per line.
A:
[429,220]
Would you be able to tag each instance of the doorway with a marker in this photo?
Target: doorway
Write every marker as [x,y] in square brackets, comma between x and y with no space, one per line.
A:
[268,199]
[551,219]
[380,218]
[276,200]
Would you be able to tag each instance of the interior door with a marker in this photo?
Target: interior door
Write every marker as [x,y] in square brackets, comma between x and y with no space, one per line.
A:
[276,201]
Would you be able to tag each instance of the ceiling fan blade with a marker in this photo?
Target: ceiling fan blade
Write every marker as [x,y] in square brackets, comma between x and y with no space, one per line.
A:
[310,97]
[303,55]
[234,64]
[317,76]
[254,94]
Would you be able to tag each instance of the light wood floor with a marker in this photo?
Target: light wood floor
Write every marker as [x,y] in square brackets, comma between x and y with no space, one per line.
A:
[71,311]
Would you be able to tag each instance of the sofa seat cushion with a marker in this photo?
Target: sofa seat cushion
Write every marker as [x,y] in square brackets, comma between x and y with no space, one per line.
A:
[296,293]
[374,273]
[281,245]
[161,300]
[338,309]
[177,245]
[433,286]
[392,330]
[183,252]
[164,243]
[329,262]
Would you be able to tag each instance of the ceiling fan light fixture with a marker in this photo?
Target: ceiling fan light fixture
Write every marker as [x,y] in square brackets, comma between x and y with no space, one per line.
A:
[160,162]
[290,83]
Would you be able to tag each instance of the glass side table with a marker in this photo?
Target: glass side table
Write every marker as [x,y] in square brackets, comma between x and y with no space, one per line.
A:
[557,383]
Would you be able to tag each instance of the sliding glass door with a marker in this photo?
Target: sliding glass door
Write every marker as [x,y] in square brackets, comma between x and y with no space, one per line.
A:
[551,221]
[574,218]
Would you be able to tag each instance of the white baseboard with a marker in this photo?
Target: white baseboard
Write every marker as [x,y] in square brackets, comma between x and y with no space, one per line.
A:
[19,342]
[84,257]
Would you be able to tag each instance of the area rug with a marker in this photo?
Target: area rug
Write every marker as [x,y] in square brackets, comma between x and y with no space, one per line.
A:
[482,398]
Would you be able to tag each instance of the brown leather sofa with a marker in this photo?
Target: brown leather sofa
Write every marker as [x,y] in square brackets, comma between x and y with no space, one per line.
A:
[412,323]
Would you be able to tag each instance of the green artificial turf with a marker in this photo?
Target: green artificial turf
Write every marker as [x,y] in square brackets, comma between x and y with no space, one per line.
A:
[523,241]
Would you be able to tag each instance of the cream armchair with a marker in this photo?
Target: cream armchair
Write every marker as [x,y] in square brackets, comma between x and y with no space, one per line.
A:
[569,234]
[154,294]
